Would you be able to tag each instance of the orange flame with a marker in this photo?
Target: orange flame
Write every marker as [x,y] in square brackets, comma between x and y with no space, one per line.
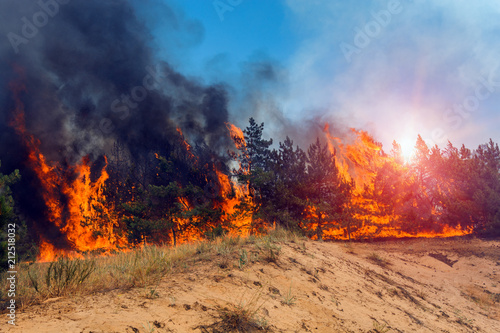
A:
[232,195]
[83,218]
[187,146]
[359,161]
[237,135]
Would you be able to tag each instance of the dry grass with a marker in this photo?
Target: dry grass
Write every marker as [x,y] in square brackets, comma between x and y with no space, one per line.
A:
[378,260]
[486,300]
[379,328]
[243,317]
[139,268]
[61,275]
[289,298]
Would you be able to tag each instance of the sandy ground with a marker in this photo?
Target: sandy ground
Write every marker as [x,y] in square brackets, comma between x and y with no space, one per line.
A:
[433,285]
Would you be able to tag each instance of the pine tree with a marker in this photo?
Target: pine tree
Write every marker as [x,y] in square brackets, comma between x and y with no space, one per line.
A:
[419,206]
[286,202]
[454,197]
[254,158]
[487,188]
[397,153]
[7,216]
[327,192]
[389,191]
[256,151]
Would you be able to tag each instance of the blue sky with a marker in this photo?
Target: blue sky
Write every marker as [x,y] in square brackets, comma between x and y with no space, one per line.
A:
[418,66]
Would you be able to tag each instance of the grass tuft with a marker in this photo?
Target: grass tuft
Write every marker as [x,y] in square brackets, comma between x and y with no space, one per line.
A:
[378,260]
[379,328]
[243,317]
[243,259]
[289,298]
[61,276]
[269,251]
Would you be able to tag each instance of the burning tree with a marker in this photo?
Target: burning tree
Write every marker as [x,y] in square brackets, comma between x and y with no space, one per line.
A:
[181,200]
[253,171]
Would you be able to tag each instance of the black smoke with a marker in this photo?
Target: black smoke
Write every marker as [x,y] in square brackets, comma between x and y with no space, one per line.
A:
[92,78]
[88,56]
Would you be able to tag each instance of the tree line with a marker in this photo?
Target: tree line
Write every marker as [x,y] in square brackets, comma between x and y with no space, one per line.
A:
[173,192]
[178,193]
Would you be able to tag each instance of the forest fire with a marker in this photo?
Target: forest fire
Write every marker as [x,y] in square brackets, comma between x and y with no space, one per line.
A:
[112,154]
[86,221]
[222,196]
[77,205]
[74,203]
[360,163]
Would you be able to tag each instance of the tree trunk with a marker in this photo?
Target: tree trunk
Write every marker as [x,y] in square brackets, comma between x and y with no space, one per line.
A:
[349,230]
[174,236]
[319,231]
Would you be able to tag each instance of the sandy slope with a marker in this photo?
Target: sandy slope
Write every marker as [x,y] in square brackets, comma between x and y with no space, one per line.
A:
[428,286]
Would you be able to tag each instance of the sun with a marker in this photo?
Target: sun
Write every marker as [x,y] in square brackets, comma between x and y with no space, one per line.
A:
[407,148]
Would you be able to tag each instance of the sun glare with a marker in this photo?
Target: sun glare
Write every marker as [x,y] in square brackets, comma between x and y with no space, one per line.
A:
[407,148]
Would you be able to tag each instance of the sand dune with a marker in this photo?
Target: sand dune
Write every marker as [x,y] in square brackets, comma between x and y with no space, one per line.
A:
[423,285]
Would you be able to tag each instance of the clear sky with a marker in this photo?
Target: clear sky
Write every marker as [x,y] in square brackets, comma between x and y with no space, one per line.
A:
[394,68]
